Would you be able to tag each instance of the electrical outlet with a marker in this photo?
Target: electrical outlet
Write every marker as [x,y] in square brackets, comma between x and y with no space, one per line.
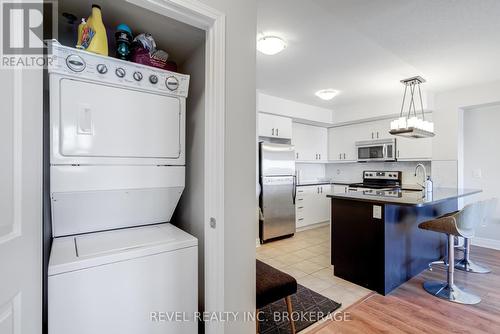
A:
[377,212]
[477,173]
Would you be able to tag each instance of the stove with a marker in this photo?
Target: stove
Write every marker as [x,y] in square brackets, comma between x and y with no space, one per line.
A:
[378,180]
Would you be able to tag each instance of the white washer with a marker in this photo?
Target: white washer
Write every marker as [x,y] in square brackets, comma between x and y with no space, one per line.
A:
[117,171]
[111,282]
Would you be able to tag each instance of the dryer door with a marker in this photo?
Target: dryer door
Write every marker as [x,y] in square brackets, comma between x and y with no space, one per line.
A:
[100,123]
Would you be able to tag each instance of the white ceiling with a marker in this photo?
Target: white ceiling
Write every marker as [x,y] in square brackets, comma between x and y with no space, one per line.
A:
[364,47]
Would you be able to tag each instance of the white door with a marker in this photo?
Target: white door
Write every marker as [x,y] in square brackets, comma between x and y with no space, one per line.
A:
[20,201]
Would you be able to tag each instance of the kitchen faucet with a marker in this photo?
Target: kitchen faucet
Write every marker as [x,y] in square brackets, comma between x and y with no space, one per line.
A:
[425,174]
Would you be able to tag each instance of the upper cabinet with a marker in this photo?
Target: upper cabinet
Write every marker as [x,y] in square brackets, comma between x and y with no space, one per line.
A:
[341,147]
[275,126]
[342,142]
[414,149]
[311,142]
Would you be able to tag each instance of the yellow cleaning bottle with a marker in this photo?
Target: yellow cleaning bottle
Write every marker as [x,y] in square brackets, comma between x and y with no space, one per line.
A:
[81,26]
[96,33]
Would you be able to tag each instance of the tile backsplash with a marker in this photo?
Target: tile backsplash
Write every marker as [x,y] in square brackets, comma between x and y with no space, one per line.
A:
[309,172]
[353,172]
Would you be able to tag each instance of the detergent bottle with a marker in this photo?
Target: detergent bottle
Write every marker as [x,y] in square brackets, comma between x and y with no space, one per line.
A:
[81,26]
[94,38]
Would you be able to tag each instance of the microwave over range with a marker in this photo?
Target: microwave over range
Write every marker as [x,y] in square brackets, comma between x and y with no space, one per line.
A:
[376,150]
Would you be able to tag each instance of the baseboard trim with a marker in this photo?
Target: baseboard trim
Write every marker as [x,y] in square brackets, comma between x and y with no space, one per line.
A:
[257,242]
[486,243]
[308,227]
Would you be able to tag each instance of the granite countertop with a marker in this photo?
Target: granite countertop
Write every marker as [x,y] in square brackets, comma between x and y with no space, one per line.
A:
[407,197]
[319,182]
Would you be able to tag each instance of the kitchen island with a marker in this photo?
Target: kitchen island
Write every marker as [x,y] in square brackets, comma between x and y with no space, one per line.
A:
[376,242]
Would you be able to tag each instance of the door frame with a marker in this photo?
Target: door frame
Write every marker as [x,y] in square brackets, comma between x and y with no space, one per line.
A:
[213,22]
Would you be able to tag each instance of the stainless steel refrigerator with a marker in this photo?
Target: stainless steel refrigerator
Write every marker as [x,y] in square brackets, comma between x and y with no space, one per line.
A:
[278,190]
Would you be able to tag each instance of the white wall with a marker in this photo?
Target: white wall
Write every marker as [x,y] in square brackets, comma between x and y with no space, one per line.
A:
[239,166]
[376,108]
[295,110]
[189,214]
[482,160]
[447,159]
[353,172]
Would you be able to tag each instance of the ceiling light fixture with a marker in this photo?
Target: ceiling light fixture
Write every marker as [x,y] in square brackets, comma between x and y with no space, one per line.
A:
[326,94]
[412,126]
[270,45]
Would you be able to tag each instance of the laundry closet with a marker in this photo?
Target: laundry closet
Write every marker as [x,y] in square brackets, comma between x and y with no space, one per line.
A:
[123,171]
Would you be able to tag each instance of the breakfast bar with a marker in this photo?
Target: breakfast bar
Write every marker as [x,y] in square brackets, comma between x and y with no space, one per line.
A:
[376,242]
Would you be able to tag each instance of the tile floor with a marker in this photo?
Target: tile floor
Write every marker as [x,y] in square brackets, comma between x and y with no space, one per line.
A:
[306,256]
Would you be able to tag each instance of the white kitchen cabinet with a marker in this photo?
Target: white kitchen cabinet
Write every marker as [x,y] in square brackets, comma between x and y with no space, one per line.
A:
[341,143]
[311,142]
[275,126]
[408,149]
[413,149]
[312,206]
[374,130]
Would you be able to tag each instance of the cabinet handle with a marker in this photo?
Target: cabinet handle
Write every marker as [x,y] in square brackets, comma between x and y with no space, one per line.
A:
[277,132]
[320,156]
[301,219]
[377,134]
[340,156]
[344,156]
[321,189]
[398,153]
[300,199]
[300,207]
[300,191]
[297,155]
[372,135]
[273,132]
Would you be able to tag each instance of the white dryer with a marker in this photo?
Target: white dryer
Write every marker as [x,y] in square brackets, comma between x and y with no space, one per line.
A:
[117,170]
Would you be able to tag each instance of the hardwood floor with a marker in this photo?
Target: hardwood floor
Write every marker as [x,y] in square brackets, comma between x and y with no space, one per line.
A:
[410,309]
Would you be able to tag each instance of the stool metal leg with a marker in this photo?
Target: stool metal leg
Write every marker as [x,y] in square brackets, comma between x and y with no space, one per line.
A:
[448,290]
[466,264]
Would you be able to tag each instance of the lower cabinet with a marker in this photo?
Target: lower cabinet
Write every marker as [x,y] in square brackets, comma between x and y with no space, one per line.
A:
[311,205]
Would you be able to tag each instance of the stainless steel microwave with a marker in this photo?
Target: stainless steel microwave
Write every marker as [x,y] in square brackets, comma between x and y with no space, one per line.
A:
[376,150]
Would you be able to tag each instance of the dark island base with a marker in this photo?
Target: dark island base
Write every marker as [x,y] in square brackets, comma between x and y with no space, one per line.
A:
[381,254]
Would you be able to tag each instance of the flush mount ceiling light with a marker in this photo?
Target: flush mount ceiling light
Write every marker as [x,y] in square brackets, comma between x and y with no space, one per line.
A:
[326,94]
[411,125]
[270,45]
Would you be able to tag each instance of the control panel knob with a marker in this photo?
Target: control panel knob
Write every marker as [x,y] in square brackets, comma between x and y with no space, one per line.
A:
[137,76]
[102,69]
[120,72]
[153,79]
[172,83]
[75,63]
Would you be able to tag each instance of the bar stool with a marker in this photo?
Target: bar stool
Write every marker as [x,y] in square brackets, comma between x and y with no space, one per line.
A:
[465,264]
[461,224]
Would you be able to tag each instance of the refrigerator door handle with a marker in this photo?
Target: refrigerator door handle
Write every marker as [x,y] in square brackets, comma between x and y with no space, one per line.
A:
[294,189]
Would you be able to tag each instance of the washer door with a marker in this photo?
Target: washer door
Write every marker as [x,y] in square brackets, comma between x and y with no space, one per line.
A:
[100,121]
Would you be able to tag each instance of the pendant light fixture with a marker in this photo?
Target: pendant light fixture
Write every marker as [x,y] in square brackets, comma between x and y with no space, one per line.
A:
[411,125]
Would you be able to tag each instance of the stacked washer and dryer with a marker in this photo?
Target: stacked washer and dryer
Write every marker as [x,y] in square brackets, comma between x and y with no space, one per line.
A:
[117,171]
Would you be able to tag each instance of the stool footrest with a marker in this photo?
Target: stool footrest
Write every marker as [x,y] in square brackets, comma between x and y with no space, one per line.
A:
[451,293]
[471,267]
